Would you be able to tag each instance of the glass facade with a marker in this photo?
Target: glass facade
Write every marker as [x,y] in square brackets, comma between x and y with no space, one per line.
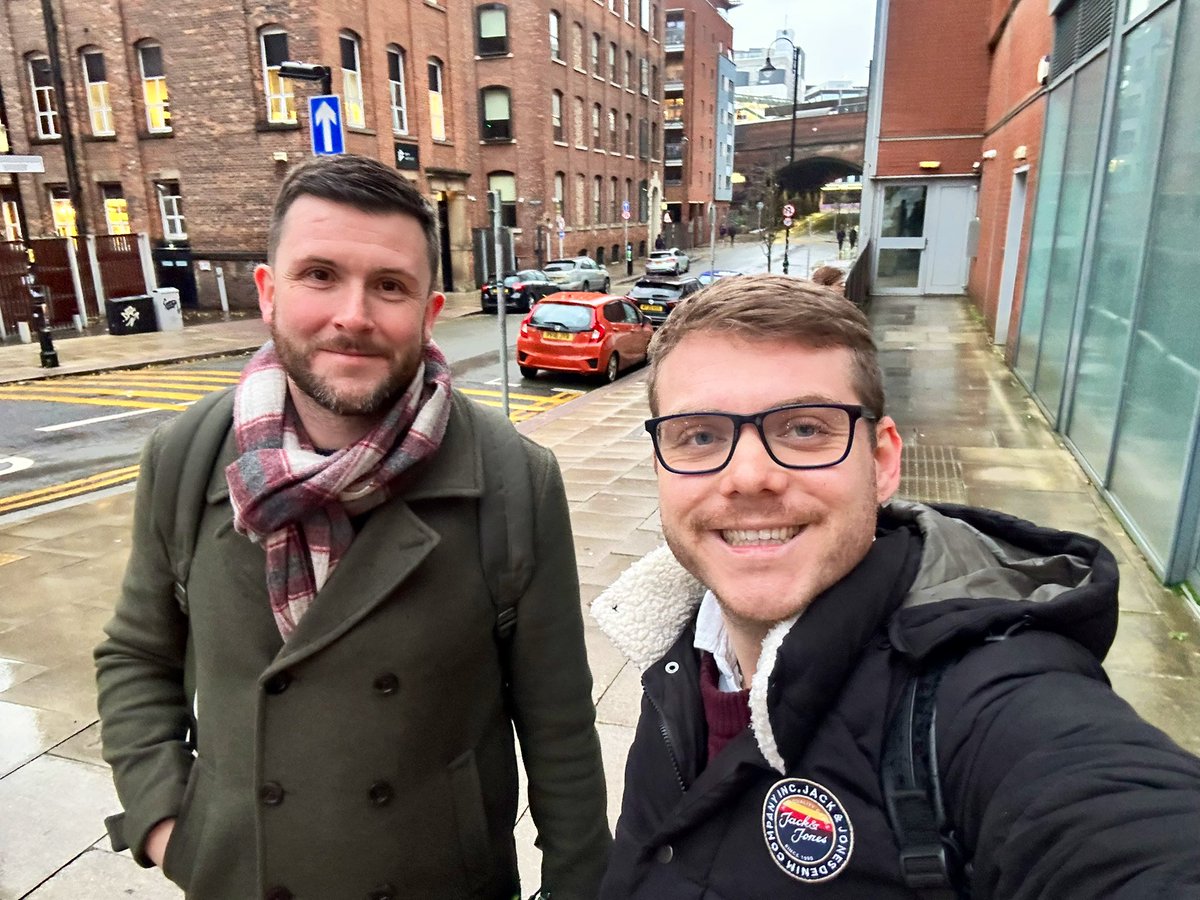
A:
[1109,340]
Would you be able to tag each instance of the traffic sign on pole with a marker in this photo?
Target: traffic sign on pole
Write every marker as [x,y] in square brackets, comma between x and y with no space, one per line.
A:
[787,221]
[325,119]
[788,210]
[561,224]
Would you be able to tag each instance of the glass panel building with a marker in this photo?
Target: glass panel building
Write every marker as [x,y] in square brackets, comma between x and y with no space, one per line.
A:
[1109,336]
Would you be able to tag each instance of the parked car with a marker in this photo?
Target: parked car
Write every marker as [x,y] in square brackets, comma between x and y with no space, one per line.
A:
[590,333]
[524,288]
[656,297]
[706,278]
[578,274]
[667,262]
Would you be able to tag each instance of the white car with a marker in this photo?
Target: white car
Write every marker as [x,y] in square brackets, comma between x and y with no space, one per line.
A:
[578,274]
[667,262]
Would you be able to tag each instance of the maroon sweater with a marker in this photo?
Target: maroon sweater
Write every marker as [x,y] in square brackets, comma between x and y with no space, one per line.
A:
[726,712]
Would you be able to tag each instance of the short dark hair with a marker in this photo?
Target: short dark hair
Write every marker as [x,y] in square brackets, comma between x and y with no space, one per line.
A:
[775,308]
[360,182]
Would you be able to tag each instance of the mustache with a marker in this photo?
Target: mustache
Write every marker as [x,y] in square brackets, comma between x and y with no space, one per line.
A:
[346,344]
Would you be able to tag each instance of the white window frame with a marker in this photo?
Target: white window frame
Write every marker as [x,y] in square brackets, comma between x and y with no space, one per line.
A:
[396,95]
[170,209]
[353,102]
[162,106]
[279,93]
[45,101]
[100,113]
[555,34]
[437,98]
[556,119]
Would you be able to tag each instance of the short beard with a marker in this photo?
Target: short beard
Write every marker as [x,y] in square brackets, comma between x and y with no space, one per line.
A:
[379,401]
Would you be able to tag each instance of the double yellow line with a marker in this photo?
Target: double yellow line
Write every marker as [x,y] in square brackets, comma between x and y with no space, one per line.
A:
[95,482]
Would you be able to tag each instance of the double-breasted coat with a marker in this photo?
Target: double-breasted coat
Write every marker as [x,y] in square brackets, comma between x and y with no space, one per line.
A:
[372,755]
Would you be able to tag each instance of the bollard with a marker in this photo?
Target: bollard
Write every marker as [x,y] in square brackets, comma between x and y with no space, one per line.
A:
[629,259]
[49,355]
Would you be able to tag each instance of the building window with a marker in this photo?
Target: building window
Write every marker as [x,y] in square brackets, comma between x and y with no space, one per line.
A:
[560,185]
[628,134]
[654,81]
[555,30]
[116,210]
[626,4]
[580,199]
[596,144]
[628,189]
[644,14]
[437,109]
[170,207]
[612,62]
[596,213]
[62,211]
[654,20]
[281,99]
[594,53]
[96,84]
[577,46]
[644,76]
[154,88]
[352,86]
[643,202]
[505,184]
[654,140]
[556,122]
[627,78]
[614,204]
[497,114]
[580,135]
[643,139]
[45,101]
[491,21]
[10,219]
[396,97]
[613,139]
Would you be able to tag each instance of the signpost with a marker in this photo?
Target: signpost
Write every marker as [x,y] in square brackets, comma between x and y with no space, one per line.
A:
[21,165]
[325,117]
[788,212]
[561,224]
[493,205]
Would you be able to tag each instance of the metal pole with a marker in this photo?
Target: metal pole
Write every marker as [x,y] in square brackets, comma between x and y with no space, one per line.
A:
[220,273]
[787,234]
[501,301]
[712,235]
[66,129]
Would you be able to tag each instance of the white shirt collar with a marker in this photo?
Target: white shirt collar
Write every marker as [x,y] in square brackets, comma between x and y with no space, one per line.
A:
[711,635]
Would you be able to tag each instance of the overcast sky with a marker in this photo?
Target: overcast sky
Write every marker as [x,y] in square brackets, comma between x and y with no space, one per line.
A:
[836,35]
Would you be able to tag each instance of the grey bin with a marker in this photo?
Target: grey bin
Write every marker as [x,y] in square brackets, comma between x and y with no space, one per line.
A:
[168,311]
[131,315]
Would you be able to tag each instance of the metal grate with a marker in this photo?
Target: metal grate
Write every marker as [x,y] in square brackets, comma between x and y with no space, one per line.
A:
[1081,27]
[932,474]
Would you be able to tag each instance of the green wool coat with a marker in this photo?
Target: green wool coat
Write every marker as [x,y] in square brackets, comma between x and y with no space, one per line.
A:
[371,756]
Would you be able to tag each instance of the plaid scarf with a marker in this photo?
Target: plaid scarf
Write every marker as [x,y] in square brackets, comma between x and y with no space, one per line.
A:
[298,502]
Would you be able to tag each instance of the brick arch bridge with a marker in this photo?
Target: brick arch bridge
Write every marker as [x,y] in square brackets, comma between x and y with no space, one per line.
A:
[827,147]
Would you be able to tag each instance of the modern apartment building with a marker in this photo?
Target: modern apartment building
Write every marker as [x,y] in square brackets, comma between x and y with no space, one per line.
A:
[173,119]
[697,119]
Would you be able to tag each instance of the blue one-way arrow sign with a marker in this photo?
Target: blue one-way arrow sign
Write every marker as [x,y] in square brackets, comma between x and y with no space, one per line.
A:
[325,114]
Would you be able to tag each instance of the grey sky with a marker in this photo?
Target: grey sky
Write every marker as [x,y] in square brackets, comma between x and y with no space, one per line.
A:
[836,35]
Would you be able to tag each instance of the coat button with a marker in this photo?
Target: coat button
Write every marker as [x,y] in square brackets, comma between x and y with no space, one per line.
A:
[386,684]
[381,793]
[278,892]
[664,854]
[278,683]
[271,794]
[382,892]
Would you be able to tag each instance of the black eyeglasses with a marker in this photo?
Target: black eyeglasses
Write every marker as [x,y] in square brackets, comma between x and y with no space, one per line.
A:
[801,436]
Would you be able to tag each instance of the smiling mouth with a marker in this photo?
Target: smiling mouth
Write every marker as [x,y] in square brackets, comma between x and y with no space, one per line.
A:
[759,537]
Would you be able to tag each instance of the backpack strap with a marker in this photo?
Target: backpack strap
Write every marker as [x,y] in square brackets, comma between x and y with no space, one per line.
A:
[931,860]
[181,477]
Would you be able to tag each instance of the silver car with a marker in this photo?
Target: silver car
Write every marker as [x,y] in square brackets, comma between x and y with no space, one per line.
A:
[667,262]
[578,274]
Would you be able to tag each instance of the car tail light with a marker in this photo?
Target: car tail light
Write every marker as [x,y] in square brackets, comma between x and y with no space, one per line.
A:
[517,287]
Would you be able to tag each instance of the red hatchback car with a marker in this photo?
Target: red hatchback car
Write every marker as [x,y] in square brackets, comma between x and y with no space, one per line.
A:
[594,334]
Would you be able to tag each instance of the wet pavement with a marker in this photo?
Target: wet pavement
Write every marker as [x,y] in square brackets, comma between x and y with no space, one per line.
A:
[972,435]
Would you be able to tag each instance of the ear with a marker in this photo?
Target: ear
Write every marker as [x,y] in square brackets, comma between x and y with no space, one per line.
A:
[264,280]
[433,307]
[888,448]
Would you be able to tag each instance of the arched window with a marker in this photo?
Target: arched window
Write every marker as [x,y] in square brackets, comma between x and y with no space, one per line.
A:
[352,81]
[555,31]
[491,29]
[437,107]
[495,109]
[396,94]
[279,93]
[154,87]
[95,80]
[505,184]
[556,120]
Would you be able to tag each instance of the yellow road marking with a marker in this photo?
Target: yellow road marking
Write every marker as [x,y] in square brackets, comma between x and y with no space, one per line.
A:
[480,392]
[153,378]
[88,390]
[68,489]
[86,401]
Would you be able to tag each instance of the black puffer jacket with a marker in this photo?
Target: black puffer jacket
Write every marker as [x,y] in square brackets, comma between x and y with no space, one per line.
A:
[1057,788]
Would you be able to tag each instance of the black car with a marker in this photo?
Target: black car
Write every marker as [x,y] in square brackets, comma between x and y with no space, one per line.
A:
[656,297]
[522,289]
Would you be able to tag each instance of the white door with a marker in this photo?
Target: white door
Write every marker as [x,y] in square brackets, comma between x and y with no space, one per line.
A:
[947,222]
[923,238]
[1012,251]
[901,245]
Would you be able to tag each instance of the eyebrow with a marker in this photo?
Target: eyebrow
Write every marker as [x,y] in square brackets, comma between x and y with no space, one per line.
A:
[793,401]
[326,261]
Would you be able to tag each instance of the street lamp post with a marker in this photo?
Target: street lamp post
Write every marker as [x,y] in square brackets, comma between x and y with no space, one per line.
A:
[787,234]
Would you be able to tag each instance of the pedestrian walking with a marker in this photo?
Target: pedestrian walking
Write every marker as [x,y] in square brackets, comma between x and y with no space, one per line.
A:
[853,695]
[852,236]
[659,243]
[841,239]
[733,231]
[382,585]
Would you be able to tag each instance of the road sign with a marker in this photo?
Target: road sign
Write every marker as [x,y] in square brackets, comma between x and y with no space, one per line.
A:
[666,218]
[561,234]
[561,224]
[625,214]
[787,221]
[788,210]
[325,117]
[17,165]
[625,207]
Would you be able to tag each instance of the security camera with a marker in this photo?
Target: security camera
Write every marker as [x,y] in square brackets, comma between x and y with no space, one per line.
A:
[302,71]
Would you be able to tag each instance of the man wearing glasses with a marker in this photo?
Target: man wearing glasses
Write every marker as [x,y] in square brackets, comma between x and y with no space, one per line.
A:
[800,618]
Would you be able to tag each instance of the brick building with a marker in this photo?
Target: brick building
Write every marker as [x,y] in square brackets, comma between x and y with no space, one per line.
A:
[697,117]
[172,118]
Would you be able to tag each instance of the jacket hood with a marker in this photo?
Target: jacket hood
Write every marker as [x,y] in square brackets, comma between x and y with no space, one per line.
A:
[981,573]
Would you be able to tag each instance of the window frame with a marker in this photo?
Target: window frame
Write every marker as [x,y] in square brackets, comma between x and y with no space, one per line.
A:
[397,90]
[354,103]
[508,208]
[594,54]
[174,200]
[556,118]
[489,129]
[44,97]
[280,97]
[597,137]
[99,103]
[498,46]
[437,117]
[555,25]
[155,104]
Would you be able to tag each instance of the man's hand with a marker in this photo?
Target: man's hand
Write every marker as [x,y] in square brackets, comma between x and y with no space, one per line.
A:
[157,839]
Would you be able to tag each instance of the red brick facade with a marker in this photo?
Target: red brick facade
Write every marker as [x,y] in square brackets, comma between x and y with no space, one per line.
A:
[228,158]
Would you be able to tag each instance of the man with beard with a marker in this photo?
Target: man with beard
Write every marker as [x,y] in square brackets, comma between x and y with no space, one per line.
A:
[798,611]
[325,707]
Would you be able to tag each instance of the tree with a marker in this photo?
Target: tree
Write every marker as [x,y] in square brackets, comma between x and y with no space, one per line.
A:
[772,217]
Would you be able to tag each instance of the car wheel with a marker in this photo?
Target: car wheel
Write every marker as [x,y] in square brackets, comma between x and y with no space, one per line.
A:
[613,369]
[607,284]
[527,371]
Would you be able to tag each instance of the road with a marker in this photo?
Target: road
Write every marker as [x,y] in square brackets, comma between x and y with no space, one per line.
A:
[68,436]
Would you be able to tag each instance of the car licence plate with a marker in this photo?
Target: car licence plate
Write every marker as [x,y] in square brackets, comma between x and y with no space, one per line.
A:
[651,307]
[556,336]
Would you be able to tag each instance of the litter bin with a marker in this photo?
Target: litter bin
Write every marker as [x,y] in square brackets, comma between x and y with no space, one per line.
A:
[168,311]
[131,315]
